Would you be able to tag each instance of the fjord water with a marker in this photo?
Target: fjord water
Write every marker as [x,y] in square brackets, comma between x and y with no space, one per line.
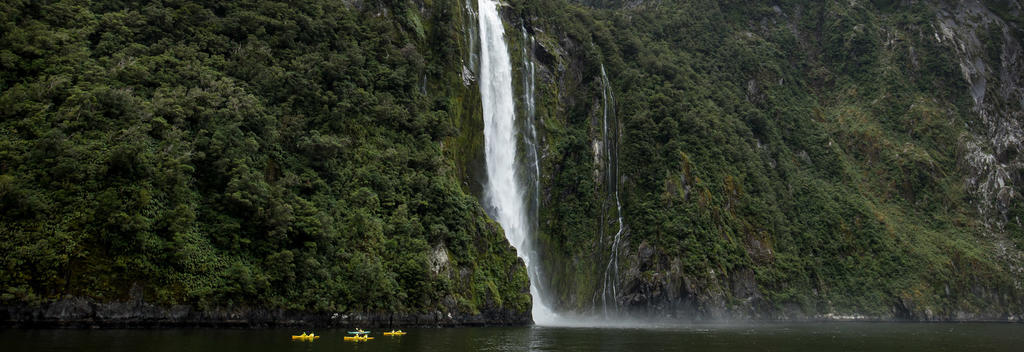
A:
[769,337]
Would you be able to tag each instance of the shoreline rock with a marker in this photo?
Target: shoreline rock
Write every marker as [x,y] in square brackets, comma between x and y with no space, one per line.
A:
[79,312]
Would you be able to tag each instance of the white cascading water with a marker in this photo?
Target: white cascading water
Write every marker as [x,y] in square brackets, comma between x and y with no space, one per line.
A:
[529,82]
[611,272]
[504,193]
[472,35]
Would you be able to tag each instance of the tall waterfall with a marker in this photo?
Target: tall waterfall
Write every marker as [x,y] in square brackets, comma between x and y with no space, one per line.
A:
[504,194]
[609,285]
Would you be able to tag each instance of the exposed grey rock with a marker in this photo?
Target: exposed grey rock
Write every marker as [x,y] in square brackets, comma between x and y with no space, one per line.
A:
[992,153]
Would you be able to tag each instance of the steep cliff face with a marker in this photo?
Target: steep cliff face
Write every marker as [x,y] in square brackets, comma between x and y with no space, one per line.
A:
[988,50]
[265,159]
[696,160]
[779,160]
[986,37]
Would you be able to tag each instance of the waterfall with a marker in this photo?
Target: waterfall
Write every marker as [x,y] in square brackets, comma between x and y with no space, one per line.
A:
[529,83]
[504,195]
[609,285]
[472,35]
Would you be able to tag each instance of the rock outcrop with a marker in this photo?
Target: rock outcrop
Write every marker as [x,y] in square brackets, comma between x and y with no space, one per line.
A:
[82,312]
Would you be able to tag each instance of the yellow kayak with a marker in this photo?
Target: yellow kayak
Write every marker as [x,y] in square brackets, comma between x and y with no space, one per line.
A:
[394,333]
[305,337]
[358,338]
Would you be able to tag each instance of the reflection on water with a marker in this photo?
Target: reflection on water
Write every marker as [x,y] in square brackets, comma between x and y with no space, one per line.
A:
[742,337]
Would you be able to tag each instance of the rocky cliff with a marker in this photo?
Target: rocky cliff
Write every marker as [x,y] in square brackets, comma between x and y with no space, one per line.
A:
[779,160]
[260,163]
[254,160]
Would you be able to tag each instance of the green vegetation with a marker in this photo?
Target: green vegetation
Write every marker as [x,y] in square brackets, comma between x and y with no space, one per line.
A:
[243,154]
[321,155]
[815,143]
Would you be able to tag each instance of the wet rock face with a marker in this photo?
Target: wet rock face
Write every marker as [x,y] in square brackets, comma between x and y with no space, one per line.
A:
[136,312]
[69,309]
[646,255]
[82,312]
[662,291]
[743,284]
[655,286]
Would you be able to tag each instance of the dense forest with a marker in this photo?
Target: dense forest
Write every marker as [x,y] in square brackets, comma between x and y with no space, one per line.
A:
[793,158]
[780,159]
[237,154]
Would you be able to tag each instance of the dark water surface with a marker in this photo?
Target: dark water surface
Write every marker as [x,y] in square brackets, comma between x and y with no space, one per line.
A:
[766,337]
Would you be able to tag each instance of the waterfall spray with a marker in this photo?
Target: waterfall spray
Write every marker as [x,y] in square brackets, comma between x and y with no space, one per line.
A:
[504,195]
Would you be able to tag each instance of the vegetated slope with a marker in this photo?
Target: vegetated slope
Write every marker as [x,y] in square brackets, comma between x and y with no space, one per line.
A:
[778,159]
[783,159]
[253,154]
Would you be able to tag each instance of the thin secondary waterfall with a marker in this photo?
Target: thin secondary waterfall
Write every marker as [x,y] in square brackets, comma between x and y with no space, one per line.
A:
[609,285]
[504,194]
[472,34]
[529,83]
